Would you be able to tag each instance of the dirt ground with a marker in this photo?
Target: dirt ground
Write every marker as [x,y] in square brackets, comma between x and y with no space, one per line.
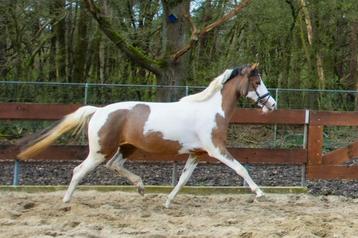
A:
[94,214]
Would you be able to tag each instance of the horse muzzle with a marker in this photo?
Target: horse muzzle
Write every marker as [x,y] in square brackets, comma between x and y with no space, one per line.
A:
[268,105]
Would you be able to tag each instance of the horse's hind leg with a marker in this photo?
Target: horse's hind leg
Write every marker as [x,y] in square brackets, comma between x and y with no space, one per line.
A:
[90,163]
[189,167]
[116,164]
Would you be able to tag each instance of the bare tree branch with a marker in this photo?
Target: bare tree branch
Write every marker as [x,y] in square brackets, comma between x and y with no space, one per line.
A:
[133,53]
[199,35]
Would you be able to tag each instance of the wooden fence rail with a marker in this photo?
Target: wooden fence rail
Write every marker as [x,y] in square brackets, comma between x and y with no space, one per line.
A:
[318,165]
[244,155]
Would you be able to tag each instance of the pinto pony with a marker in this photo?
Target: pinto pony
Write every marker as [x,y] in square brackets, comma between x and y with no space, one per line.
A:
[194,125]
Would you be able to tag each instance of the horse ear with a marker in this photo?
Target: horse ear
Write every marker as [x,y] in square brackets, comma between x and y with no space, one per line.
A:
[249,68]
[254,66]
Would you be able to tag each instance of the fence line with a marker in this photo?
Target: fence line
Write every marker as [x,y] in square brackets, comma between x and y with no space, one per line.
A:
[318,165]
[279,94]
[96,93]
[167,86]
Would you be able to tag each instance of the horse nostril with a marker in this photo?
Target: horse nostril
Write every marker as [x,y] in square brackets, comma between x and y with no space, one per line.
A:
[274,105]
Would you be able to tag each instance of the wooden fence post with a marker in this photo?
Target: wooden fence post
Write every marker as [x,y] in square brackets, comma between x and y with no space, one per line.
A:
[314,150]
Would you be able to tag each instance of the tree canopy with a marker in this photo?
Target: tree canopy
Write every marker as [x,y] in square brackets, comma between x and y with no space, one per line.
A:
[298,43]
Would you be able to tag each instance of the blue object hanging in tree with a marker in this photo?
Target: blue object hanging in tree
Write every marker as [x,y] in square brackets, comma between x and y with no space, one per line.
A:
[172,18]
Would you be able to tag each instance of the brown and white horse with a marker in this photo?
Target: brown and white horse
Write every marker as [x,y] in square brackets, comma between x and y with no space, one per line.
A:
[194,125]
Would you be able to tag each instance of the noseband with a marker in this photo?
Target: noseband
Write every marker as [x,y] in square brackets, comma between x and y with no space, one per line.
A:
[262,99]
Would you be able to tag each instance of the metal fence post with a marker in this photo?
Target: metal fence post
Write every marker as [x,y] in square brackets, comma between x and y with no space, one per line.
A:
[275,126]
[86,94]
[85,100]
[16,177]
[304,145]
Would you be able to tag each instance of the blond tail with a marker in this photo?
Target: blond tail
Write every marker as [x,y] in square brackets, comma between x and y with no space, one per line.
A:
[77,119]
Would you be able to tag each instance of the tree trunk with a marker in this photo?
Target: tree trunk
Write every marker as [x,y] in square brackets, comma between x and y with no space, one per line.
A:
[52,59]
[353,76]
[340,40]
[102,49]
[60,31]
[173,75]
[287,57]
[81,45]
[101,61]
[71,22]
[175,35]
[52,54]
[318,58]
[3,66]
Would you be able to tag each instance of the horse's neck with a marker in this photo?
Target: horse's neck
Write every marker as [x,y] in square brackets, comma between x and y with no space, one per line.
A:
[229,98]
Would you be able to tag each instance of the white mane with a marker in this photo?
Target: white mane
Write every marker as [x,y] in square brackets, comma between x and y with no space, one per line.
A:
[213,87]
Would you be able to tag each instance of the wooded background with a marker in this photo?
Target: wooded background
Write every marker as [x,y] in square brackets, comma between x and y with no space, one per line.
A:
[298,43]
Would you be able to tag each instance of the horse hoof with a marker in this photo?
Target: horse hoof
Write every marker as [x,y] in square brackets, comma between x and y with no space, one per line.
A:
[261,198]
[167,204]
[259,193]
[66,200]
[141,190]
[250,200]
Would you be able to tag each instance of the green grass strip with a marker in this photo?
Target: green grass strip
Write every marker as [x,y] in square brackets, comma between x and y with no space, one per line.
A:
[198,190]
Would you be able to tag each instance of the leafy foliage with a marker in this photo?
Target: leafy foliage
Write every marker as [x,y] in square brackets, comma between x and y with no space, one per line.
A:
[60,41]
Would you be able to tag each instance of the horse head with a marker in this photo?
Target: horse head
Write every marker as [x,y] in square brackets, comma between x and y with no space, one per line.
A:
[252,86]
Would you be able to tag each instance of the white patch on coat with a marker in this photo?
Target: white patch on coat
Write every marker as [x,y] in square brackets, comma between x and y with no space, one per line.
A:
[185,122]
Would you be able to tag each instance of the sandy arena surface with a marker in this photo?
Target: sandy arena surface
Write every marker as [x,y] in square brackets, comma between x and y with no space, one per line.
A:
[94,214]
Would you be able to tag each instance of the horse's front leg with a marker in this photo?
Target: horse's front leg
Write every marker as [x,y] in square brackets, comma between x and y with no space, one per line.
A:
[225,157]
[189,167]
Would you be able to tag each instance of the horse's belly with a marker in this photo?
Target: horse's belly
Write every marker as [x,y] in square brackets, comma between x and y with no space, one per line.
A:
[157,142]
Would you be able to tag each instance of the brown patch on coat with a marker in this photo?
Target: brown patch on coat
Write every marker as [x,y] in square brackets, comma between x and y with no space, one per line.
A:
[127,150]
[230,94]
[153,142]
[125,129]
[219,133]
[110,135]
[198,152]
